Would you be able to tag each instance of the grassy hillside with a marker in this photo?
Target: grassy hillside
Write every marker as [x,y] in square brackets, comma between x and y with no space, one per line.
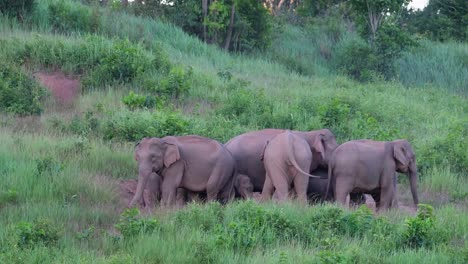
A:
[59,196]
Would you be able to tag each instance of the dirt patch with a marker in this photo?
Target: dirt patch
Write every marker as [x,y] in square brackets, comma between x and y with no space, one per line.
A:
[64,88]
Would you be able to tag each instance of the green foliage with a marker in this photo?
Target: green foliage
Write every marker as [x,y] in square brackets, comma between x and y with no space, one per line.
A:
[19,94]
[130,225]
[9,196]
[40,231]
[134,101]
[48,166]
[441,20]
[444,65]
[449,150]
[357,59]
[176,83]
[330,257]
[123,64]
[66,16]
[205,217]
[16,8]
[133,126]
[420,229]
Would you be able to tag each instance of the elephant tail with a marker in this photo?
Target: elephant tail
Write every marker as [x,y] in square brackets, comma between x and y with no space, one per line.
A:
[292,157]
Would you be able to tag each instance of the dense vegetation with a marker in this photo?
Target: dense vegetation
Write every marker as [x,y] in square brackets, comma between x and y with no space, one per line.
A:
[60,170]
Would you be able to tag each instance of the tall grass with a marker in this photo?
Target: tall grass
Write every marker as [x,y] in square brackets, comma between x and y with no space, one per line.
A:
[443,65]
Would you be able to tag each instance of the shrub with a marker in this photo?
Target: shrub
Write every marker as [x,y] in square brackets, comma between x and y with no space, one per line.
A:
[134,101]
[123,64]
[357,59]
[66,16]
[176,83]
[8,197]
[133,126]
[420,229]
[130,225]
[40,231]
[449,150]
[19,94]
[47,166]
[358,222]
[16,8]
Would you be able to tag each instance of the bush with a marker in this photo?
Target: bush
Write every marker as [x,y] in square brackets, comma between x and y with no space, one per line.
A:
[357,59]
[40,231]
[449,150]
[176,83]
[67,16]
[123,64]
[19,94]
[204,217]
[134,101]
[133,126]
[130,225]
[420,229]
[8,197]
[16,8]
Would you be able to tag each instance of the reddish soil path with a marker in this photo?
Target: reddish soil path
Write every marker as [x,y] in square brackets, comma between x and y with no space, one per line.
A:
[65,89]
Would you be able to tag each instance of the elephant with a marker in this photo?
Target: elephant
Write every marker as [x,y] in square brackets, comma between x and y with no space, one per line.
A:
[369,166]
[192,162]
[243,186]
[247,150]
[287,159]
[317,188]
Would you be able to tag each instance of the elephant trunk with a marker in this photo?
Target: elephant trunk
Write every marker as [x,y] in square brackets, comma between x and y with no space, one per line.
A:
[143,176]
[413,175]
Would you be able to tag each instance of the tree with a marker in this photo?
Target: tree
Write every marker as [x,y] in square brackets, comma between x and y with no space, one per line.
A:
[374,12]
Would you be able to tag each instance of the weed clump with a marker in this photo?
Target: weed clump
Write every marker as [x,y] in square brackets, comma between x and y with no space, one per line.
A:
[19,94]
[40,231]
[131,225]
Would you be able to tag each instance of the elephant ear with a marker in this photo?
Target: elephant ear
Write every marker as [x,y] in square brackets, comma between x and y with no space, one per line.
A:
[399,154]
[318,145]
[263,150]
[172,153]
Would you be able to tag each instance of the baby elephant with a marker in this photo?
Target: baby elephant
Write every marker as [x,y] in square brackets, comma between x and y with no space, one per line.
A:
[369,166]
[287,159]
[194,163]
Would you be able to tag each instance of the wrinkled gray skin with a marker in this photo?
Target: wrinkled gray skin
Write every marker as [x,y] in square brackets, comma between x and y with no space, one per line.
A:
[191,162]
[369,167]
[247,150]
[287,159]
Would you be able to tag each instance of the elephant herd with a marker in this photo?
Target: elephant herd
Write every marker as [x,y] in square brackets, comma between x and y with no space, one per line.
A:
[278,163]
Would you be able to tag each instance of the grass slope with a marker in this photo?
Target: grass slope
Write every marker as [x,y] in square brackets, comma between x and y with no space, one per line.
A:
[59,190]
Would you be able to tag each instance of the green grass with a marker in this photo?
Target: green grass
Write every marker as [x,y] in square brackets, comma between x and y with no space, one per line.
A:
[63,166]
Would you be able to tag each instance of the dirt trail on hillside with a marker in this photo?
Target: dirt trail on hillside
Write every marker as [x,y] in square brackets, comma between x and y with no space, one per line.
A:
[64,88]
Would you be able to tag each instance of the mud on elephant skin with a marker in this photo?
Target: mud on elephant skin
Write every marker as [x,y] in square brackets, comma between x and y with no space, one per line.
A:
[247,149]
[192,162]
[369,166]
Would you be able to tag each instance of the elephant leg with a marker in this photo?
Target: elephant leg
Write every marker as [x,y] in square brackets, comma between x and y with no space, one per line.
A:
[154,188]
[213,186]
[172,179]
[386,198]
[281,184]
[342,190]
[268,188]
[300,186]
[180,197]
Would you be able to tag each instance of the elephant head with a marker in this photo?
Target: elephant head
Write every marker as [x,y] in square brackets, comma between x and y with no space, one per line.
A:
[322,143]
[244,186]
[152,155]
[405,162]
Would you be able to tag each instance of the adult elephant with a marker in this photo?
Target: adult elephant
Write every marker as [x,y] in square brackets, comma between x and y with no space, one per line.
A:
[369,166]
[247,150]
[191,162]
[287,159]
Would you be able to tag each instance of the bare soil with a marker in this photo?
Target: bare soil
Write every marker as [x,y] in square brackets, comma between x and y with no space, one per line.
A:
[127,190]
[64,88]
